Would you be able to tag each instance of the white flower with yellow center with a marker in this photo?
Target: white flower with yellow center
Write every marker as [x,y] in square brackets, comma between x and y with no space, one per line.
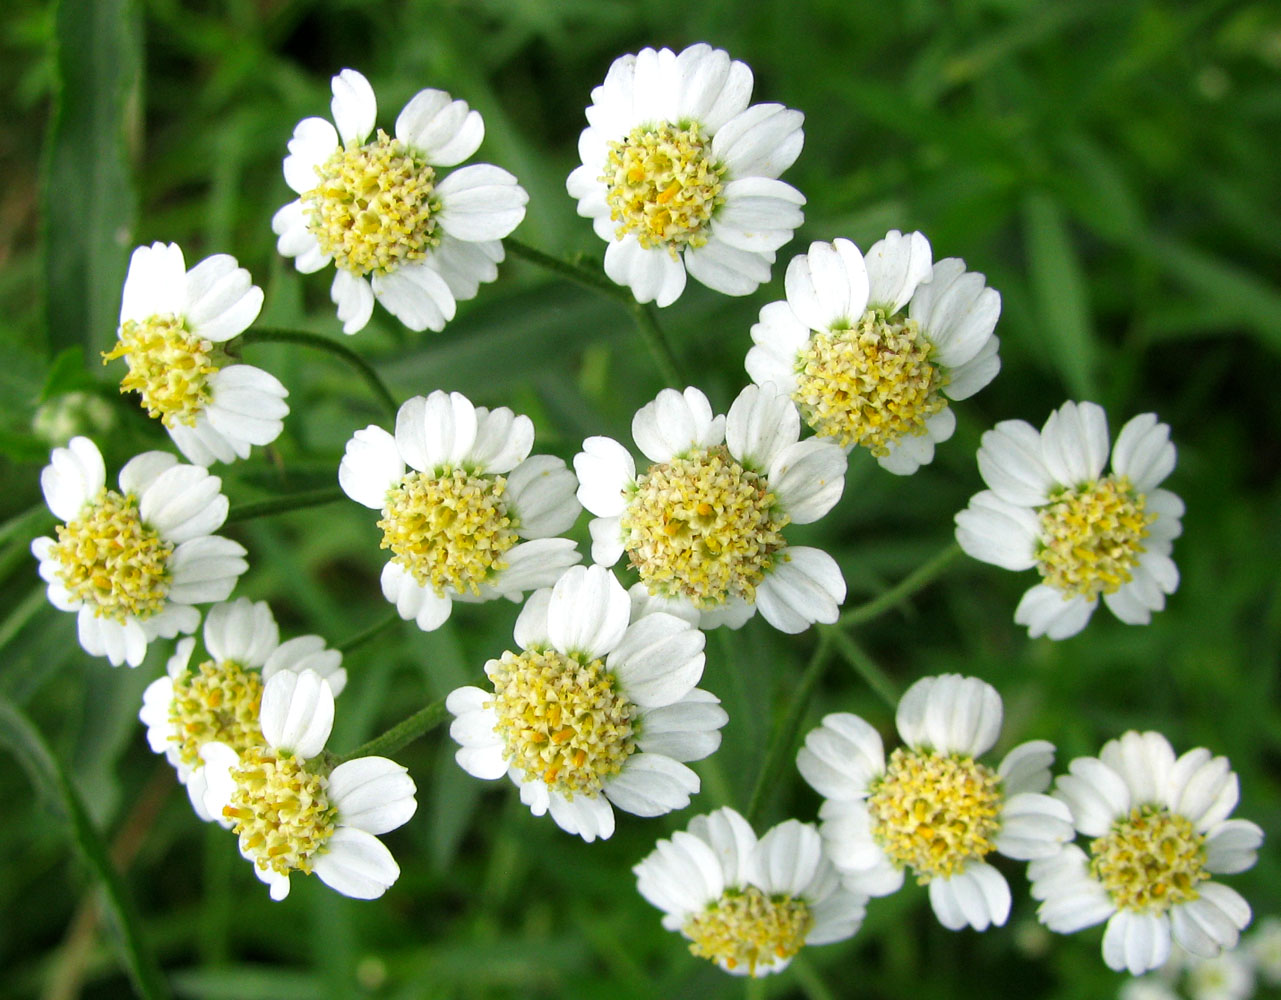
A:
[173,325]
[748,905]
[1158,829]
[132,564]
[703,524]
[680,175]
[597,711]
[218,699]
[933,809]
[1049,505]
[376,207]
[295,812]
[474,517]
[873,348]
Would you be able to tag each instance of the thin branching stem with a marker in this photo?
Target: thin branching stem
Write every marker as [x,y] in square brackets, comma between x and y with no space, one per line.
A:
[918,579]
[360,638]
[359,364]
[402,733]
[863,664]
[285,504]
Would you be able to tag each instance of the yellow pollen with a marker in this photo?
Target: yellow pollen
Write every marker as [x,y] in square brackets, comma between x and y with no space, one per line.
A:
[746,927]
[703,527]
[870,384]
[1091,537]
[1150,861]
[563,720]
[112,561]
[281,811]
[662,186]
[219,700]
[935,813]
[373,208]
[169,367]
[449,530]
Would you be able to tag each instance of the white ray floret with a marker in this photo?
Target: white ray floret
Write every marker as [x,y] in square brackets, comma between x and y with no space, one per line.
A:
[375,205]
[174,324]
[932,808]
[872,348]
[748,905]
[598,711]
[132,564]
[1049,505]
[679,174]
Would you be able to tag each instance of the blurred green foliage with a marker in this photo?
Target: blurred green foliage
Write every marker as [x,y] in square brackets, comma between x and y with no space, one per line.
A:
[1111,165]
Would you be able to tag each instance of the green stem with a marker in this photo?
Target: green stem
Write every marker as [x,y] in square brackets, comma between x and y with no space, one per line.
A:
[863,664]
[403,733]
[361,366]
[642,315]
[918,579]
[360,638]
[784,736]
[282,505]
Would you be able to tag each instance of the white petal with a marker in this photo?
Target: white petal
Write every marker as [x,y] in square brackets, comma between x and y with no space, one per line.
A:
[436,431]
[1143,760]
[480,202]
[465,266]
[731,838]
[156,284]
[1011,463]
[1136,942]
[652,275]
[950,714]
[605,469]
[222,299]
[373,794]
[761,423]
[503,440]
[977,897]
[759,214]
[895,266]
[828,285]
[778,337]
[658,660]
[183,502]
[308,652]
[204,570]
[371,465]
[531,623]
[804,587]
[422,605]
[445,131]
[313,142]
[764,140]
[687,730]
[956,312]
[416,295]
[540,496]
[1026,768]
[808,478]
[243,631]
[1232,846]
[357,864]
[1074,443]
[1033,826]
[650,784]
[588,612]
[1048,612]
[712,89]
[787,858]
[967,379]
[354,297]
[1143,452]
[354,107]
[74,476]
[297,712]
[728,269]
[995,531]
[675,423]
[1095,793]
[842,757]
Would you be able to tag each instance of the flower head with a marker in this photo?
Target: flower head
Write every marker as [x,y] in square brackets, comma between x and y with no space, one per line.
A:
[133,563]
[748,905]
[1158,829]
[595,711]
[375,205]
[933,808]
[703,524]
[474,517]
[1049,505]
[872,348]
[680,175]
[294,812]
[218,700]
[173,325]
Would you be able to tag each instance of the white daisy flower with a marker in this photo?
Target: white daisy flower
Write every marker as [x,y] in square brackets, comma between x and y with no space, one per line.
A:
[456,519]
[703,524]
[295,813]
[594,712]
[748,905]
[679,174]
[376,208]
[933,807]
[132,563]
[1159,829]
[219,698]
[872,348]
[1049,505]
[173,325]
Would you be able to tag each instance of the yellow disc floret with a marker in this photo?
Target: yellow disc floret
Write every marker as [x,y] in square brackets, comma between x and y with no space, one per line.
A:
[745,927]
[869,384]
[702,527]
[662,186]
[113,562]
[564,720]
[374,206]
[280,810]
[1150,861]
[935,813]
[449,530]
[1091,537]
[219,700]
[169,367]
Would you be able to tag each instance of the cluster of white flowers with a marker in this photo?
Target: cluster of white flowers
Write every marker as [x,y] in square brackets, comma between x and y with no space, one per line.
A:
[599,709]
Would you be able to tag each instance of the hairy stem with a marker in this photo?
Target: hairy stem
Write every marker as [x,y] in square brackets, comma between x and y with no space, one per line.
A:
[403,733]
[283,505]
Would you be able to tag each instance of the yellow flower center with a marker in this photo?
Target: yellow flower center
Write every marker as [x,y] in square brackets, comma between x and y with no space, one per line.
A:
[662,186]
[1150,861]
[746,927]
[169,367]
[1091,537]
[219,700]
[564,721]
[280,810]
[112,561]
[935,813]
[450,530]
[703,527]
[870,384]
[374,206]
